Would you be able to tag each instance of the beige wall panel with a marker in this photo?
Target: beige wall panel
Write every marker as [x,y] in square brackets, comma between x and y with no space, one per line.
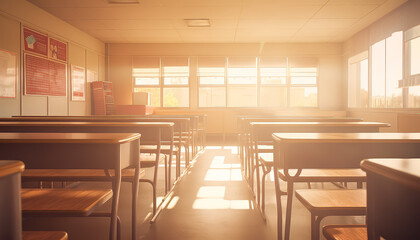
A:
[120,76]
[92,64]
[331,85]
[102,68]
[57,106]
[409,122]
[34,106]
[11,106]
[385,117]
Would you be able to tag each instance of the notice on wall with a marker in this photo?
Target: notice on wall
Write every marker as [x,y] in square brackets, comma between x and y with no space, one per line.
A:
[77,83]
[44,77]
[57,50]
[92,76]
[35,42]
[8,74]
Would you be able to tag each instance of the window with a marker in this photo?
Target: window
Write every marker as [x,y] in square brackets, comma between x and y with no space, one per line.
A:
[242,82]
[378,74]
[358,81]
[414,65]
[415,56]
[211,76]
[146,77]
[175,73]
[394,70]
[303,82]
[273,82]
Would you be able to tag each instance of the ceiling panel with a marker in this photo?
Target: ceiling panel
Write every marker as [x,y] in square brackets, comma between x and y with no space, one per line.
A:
[345,11]
[207,35]
[231,20]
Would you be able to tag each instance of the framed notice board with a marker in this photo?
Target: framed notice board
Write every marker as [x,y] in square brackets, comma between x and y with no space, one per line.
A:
[8,74]
[77,83]
[44,76]
[45,64]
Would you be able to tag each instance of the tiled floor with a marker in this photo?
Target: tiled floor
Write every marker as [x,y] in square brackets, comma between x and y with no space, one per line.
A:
[210,202]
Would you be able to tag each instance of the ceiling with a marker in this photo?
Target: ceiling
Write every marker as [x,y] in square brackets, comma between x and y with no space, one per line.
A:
[232,21]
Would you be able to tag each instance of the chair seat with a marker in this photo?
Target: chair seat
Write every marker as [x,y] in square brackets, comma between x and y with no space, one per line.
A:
[148,160]
[342,202]
[327,175]
[44,235]
[62,202]
[345,232]
[318,175]
[154,148]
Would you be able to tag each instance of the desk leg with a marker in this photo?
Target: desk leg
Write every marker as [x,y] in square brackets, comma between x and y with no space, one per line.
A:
[278,201]
[135,192]
[116,187]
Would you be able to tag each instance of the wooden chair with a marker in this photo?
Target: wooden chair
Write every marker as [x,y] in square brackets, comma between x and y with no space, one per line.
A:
[44,235]
[65,203]
[323,203]
[345,232]
[309,175]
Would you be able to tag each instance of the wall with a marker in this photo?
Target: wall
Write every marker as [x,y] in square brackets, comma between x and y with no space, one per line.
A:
[401,19]
[330,78]
[83,50]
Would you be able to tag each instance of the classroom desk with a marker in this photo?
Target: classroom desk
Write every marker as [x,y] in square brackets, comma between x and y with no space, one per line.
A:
[393,197]
[76,151]
[151,132]
[335,150]
[181,125]
[245,128]
[261,134]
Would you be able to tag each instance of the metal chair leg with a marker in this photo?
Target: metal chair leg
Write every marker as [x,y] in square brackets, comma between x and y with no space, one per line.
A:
[290,192]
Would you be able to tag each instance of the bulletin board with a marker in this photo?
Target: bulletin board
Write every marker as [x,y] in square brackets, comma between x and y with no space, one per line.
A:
[44,76]
[45,68]
[8,74]
[77,83]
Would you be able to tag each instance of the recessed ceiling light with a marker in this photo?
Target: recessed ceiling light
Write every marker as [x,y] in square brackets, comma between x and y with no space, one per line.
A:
[198,22]
[123,1]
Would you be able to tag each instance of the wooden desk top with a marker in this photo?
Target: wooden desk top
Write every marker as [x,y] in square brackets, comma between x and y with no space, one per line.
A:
[406,171]
[8,167]
[300,119]
[334,124]
[91,124]
[109,138]
[113,118]
[346,137]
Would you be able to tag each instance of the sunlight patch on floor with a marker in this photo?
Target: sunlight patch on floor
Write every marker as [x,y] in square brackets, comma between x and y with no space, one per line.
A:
[221,204]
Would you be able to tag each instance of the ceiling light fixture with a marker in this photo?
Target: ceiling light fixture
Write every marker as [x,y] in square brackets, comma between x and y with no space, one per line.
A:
[197,22]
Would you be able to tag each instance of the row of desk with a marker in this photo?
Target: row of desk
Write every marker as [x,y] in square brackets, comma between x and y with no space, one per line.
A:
[111,144]
[326,144]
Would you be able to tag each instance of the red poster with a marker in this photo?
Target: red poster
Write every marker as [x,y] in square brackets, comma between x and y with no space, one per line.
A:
[57,50]
[57,78]
[44,77]
[35,42]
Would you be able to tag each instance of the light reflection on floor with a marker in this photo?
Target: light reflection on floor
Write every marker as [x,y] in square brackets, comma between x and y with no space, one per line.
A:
[214,197]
